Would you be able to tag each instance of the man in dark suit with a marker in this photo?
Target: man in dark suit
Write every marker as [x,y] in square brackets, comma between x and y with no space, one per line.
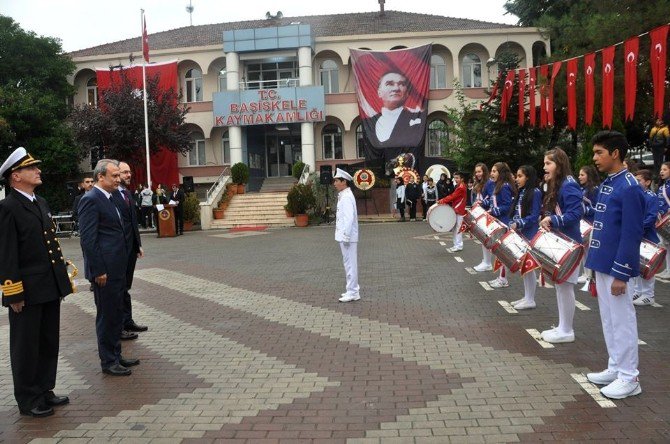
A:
[177,195]
[395,125]
[103,242]
[126,205]
[34,279]
[85,185]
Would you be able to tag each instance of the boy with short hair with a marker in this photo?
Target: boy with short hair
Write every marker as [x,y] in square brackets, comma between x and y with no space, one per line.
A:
[644,288]
[457,200]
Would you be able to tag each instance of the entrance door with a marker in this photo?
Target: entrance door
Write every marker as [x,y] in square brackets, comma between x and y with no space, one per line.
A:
[283,150]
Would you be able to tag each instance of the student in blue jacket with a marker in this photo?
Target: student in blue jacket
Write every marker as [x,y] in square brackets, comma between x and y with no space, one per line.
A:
[663,195]
[643,293]
[525,220]
[589,179]
[614,256]
[502,197]
[481,191]
[563,211]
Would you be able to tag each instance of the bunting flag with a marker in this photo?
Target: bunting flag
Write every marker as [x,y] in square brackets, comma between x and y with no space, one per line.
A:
[145,39]
[507,92]
[532,112]
[608,86]
[572,93]
[522,95]
[589,87]
[497,264]
[659,38]
[529,264]
[631,48]
[550,100]
[544,73]
[493,95]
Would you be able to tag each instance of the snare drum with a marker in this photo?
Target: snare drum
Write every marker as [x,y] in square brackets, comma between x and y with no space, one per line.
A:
[488,230]
[557,254]
[585,229]
[511,250]
[663,227]
[474,213]
[441,218]
[652,258]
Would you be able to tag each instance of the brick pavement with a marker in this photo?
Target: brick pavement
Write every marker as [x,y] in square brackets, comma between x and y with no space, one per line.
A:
[247,343]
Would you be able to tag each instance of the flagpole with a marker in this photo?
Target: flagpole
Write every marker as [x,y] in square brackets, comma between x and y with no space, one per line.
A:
[144,96]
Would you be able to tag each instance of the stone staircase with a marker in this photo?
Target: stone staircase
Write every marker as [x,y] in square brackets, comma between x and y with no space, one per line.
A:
[255,209]
[275,184]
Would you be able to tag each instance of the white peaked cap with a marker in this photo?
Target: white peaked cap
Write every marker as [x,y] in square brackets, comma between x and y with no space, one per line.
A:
[18,159]
[341,174]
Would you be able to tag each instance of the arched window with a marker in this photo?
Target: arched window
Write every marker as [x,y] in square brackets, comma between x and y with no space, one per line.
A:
[196,155]
[332,142]
[225,146]
[438,72]
[193,82]
[438,135]
[360,142]
[223,82]
[472,71]
[329,77]
[92,92]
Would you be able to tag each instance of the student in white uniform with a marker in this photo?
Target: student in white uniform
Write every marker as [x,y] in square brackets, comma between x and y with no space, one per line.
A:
[346,232]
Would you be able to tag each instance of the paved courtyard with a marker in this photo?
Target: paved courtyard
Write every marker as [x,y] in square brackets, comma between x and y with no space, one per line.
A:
[247,343]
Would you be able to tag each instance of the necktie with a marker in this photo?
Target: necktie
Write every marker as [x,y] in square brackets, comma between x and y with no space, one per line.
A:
[115,207]
[125,197]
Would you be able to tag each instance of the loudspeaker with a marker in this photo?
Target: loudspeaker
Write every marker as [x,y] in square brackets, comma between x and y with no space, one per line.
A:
[326,175]
[343,167]
[188,184]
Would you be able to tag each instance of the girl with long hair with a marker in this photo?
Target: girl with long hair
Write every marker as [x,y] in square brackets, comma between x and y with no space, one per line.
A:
[563,211]
[526,211]
[502,197]
[589,179]
[481,190]
[663,194]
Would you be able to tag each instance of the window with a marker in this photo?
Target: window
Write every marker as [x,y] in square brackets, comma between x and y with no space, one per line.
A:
[264,75]
[329,79]
[225,146]
[196,155]
[438,135]
[438,72]
[360,142]
[223,82]
[472,71]
[332,142]
[92,92]
[193,85]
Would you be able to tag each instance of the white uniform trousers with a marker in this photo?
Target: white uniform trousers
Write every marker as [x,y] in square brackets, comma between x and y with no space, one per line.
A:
[643,287]
[487,256]
[617,315]
[458,236]
[666,245]
[529,286]
[565,299]
[350,260]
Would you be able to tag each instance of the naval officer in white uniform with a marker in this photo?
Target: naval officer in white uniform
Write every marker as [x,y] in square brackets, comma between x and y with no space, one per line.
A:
[346,232]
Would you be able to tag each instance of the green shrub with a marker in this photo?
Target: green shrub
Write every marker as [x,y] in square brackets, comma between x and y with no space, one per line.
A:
[300,199]
[191,208]
[239,173]
[297,169]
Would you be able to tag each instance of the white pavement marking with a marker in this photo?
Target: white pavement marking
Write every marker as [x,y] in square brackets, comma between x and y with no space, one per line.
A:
[581,306]
[470,270]
[592,390]
[458,259]
[477,242]
[443,243]
[657,305]
[436,237]
[641,342]
[486,286]
[665,281]
[538,337]
[244,381]
[236,234]
[508,307]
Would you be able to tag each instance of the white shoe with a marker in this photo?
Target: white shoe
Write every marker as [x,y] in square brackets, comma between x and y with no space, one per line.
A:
[499,283]
[636,297]
[557,337]
[644,300]
[582,279]
[525,305]
[620,389]
[665,274]
[513,304]
[483,267]
[349,298]
[604,377]
[454,249]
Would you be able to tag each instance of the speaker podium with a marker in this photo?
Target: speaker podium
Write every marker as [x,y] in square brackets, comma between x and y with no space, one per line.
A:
[166,221]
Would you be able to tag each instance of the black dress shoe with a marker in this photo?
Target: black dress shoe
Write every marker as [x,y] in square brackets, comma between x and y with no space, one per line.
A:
[129,362]
[134,327]
[39,411]
[128,335]
[58,400]
[117,370]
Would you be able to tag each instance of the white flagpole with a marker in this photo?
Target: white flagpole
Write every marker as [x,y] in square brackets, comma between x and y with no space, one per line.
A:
[144,96]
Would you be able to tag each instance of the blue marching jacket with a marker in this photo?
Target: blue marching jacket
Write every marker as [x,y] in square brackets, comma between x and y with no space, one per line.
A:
[663,191]
[501,203]
[650,216]
[529,224]
[588,202]
[571,211]
[617,227]
[486,193]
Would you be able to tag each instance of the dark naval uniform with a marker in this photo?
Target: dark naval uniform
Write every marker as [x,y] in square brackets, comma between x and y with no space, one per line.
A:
[32,270]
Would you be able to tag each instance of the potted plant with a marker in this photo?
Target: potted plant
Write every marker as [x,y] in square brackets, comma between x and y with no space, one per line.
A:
[288,212]
[239,173]
[297,169]
[300,199]
[231,188]
[191,211]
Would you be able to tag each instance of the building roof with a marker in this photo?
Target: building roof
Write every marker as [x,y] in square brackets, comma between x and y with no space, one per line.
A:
[322,26]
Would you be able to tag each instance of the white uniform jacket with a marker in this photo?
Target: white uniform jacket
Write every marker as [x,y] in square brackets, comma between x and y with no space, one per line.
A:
[346,219]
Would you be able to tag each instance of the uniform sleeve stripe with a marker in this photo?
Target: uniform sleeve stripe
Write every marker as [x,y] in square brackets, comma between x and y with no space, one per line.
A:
[10,288]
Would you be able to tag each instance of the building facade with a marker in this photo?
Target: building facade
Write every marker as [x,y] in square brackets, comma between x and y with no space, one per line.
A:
[296,54]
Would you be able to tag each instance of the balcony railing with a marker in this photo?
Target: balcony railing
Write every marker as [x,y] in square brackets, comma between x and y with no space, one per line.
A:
[269,84]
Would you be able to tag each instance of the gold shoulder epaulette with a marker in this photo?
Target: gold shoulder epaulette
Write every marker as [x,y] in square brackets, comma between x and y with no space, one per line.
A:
[10,288]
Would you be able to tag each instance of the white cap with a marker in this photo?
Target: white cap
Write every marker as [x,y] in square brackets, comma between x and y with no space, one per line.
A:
[341,174]
[18,159]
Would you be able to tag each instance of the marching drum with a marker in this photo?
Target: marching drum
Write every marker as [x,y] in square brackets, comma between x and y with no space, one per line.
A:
[511,250]
[663,227]
[652,258]
[441,218]
[488,230]
[557,254]
[585,229]
[474,213]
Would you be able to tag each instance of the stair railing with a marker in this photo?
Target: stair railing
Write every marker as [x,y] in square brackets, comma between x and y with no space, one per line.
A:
[220,181]
[304,175]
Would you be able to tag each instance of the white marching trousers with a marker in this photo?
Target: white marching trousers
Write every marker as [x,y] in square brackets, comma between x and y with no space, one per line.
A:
[617,314]
[565,299]
[350,260]
[486,256]
[529,286]
[642,286]
[458,236]
[665,244]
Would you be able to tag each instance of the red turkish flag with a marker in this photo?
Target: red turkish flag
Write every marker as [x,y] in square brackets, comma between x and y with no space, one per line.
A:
[532,73]
[508,89]
[572,93]
[497,264]
[529,264]
[145,39]
[550,100]
[522,96]
[493,95]
[589,87]
[544,73]
[659,39]
[608,86]
[631,48]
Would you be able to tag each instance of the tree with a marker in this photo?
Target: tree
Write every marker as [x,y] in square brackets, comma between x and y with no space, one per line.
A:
[33,106]
[117,125]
